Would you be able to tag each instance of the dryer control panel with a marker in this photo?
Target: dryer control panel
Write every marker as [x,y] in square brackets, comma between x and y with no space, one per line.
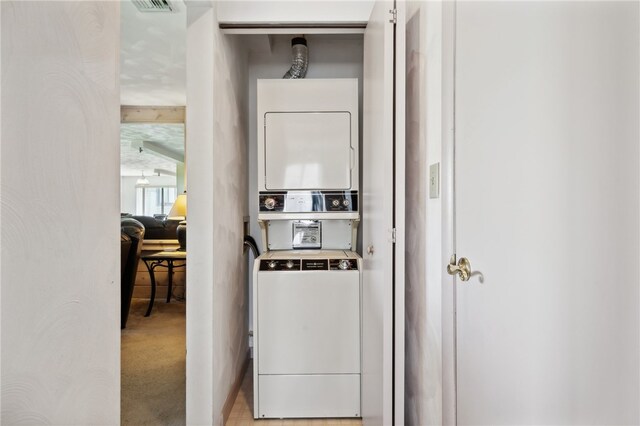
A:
[308,201]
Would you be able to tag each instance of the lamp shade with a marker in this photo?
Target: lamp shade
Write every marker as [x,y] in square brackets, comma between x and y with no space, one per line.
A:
[179,209]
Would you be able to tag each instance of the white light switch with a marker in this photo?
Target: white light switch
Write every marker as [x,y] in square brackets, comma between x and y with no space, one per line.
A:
[434,180]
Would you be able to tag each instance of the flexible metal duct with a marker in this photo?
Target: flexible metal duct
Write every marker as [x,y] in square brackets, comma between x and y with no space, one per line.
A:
[300,58]
[250,242]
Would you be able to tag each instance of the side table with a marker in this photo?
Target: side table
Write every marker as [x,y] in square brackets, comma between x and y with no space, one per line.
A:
[169,259]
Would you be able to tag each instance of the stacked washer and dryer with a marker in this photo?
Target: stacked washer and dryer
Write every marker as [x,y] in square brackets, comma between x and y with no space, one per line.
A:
[307,286]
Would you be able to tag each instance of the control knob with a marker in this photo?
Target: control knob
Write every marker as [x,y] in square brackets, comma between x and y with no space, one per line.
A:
[270,203]
[335,203]
[346,203]
[289,264]
[344,264]
[272,264]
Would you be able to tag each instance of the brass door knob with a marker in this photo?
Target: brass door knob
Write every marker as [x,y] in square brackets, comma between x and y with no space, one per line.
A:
[463,268]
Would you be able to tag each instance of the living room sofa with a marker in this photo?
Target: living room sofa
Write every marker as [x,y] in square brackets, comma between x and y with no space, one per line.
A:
[155,229]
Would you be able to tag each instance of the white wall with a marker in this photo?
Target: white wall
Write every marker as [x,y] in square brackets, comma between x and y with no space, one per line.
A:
[128,189]
[432,39]
[199,144]
[60,203]
[416,211]
[128,194]
[217,174]
[330,56]
[181,178]
[423,387]
[230,188]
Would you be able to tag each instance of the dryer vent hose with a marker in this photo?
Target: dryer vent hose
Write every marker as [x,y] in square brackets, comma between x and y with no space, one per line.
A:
[300,58]
[249,242]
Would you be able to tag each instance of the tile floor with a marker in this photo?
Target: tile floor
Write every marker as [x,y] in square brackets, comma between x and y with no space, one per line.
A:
[242,411]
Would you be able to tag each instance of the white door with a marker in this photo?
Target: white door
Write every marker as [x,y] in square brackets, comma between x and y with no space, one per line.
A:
[547,212]
[382,200]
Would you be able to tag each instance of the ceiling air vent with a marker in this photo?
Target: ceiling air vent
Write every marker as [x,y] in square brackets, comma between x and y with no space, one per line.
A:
[153,5]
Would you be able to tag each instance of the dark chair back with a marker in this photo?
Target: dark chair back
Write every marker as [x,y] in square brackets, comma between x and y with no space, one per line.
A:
[125,248]
[134,230]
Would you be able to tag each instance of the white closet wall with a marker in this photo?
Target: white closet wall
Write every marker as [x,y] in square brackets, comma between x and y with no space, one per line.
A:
[217,174]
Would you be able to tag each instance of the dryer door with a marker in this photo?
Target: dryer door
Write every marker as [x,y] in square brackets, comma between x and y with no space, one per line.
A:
[308,150]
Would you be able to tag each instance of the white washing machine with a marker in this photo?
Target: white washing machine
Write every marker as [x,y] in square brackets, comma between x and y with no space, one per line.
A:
[307,334]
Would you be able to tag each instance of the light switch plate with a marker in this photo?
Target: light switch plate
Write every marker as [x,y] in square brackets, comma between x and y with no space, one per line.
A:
[434,180]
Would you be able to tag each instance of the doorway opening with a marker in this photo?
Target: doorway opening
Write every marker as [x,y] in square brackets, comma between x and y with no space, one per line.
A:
[153,215]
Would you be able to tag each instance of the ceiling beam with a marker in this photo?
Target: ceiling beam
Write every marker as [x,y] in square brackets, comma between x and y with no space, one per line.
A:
[158,150]
[163,172]
[152,114]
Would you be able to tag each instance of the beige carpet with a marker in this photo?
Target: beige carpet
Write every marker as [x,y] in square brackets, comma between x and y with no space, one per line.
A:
[153,365]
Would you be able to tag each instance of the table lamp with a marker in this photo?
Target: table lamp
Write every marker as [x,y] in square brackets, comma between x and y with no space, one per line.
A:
[179,212]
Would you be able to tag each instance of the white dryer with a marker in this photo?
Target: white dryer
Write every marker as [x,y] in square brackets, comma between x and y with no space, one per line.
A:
[307,334]
[308,135]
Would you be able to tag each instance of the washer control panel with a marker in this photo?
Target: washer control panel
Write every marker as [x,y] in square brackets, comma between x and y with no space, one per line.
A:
[280,265]
[343,264]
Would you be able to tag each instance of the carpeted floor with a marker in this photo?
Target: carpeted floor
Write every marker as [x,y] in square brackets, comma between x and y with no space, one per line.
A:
[153,365]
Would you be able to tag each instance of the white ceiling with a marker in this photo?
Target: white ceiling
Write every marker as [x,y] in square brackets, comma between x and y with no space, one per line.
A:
[152,73]
[133,162]
[153,56]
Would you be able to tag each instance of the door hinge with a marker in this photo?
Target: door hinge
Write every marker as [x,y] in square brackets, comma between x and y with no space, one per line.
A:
[394,16]
[393,235]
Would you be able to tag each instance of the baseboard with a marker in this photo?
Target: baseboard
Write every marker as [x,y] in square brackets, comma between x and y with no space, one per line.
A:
[233,393]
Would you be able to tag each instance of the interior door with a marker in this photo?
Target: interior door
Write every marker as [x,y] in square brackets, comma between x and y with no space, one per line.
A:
[546,190]
[383,180]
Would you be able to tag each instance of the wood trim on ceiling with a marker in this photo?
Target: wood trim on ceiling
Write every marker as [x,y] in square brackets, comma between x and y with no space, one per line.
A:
[152,114]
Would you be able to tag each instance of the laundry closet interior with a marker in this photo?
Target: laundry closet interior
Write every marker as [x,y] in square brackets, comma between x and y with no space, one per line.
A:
[305,291]
[288,161]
